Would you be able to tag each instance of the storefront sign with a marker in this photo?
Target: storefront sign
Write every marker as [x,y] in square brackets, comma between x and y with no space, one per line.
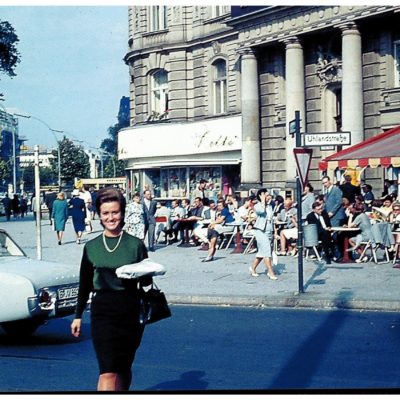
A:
[176,139]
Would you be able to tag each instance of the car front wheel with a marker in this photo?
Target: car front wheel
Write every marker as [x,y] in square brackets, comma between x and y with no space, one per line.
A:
[21,328]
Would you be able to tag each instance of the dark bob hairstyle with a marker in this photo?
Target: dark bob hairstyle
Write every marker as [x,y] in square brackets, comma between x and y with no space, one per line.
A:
[263,190]
[108,195]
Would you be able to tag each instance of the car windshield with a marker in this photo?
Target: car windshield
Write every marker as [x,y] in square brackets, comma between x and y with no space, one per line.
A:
[8,247]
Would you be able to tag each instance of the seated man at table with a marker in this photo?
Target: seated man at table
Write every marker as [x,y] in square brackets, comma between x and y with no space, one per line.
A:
[208,215]
[289,231]
[217,228]
[319,217]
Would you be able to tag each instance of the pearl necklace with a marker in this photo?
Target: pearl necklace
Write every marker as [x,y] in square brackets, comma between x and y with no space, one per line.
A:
[115,248]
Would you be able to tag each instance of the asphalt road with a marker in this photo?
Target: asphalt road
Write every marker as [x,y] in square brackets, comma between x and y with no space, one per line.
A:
[221,348]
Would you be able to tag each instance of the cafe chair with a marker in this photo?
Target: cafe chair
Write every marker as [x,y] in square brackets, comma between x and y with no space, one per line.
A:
[161,226]
[310,235]
[226,237]
[248,234]
[382,238]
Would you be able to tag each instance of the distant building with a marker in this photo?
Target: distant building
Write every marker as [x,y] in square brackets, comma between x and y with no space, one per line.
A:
[27,157]
[214,88]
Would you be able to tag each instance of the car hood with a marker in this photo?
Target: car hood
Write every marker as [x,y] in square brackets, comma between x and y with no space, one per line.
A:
[40,273]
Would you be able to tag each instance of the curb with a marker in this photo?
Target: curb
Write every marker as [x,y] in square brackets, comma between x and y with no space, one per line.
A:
[295,301]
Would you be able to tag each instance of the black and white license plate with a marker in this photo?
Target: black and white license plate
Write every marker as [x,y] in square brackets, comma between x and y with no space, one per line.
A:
[67,293]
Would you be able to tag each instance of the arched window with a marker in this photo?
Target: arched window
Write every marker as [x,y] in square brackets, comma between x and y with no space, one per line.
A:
[159,91]
[220,97]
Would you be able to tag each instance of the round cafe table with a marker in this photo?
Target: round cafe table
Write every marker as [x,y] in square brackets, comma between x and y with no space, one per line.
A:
[346,259]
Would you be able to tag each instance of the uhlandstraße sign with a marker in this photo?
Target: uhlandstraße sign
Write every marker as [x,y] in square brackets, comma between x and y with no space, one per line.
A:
[327,139]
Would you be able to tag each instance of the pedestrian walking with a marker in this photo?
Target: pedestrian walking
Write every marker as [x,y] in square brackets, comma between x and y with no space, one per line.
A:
[115,327]
[263,232]
[78,213]
[49,200]
[15,204]
[59,215]
[7,206]
[134,217]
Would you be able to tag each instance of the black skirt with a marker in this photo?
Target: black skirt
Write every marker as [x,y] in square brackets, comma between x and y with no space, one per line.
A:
[116,331]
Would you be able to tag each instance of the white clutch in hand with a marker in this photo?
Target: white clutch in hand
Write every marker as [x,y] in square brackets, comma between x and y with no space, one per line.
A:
[145,267]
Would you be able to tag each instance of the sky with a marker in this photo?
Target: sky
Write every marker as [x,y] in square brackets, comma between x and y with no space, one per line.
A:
[71,75]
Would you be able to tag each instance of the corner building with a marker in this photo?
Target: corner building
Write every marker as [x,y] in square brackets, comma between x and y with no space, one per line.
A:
[214,88]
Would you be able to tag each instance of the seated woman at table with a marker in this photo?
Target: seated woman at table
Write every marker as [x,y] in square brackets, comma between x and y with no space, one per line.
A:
[361,221]
[217,228]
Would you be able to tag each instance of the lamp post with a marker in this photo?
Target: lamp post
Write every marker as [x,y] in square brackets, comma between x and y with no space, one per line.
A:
[106,153]
[53,131]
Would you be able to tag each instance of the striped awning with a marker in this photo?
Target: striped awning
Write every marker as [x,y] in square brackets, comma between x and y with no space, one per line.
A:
[380,150]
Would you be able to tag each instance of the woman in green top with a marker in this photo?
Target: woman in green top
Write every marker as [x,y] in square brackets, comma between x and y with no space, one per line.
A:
[115,327]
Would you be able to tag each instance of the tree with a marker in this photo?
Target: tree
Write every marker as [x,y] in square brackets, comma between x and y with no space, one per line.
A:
[47,176]
[9,55]
[110,145]
[4,170]
[74,162]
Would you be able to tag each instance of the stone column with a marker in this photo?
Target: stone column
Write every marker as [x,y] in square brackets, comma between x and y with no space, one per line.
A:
[295,99]
[352,92]
[250,104]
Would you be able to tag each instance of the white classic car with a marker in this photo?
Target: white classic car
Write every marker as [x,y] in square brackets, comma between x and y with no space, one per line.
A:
[33,291]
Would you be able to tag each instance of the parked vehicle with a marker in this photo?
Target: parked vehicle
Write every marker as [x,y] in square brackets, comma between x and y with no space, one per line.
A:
[33,291]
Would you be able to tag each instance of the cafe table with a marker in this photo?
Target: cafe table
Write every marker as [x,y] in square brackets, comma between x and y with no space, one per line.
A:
[238,240]
[346,259]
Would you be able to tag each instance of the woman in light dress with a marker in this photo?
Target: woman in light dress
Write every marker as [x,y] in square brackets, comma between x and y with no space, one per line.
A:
[134,217]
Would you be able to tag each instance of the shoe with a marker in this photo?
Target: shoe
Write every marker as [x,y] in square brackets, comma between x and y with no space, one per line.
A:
[59,242]
[362,260]
[272,277]
[252,272]
[328,260]
[208,259]
[78,241]
[281,253]
[293,252]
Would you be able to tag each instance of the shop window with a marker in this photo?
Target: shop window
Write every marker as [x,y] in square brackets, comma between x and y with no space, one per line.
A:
[212,175]
[159,94]
[396,57]
[158,18]
[220,98]
[152,181]
[174,183]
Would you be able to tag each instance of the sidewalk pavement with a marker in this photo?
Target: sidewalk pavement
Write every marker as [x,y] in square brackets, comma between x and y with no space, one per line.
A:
[226,281]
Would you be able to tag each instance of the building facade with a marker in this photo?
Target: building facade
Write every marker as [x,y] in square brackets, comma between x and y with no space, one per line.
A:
[214,89]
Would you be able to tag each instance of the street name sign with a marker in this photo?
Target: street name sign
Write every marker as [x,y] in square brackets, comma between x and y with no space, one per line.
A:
[327,139]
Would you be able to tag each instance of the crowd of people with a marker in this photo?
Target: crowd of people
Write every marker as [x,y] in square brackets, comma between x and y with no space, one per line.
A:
[205,222]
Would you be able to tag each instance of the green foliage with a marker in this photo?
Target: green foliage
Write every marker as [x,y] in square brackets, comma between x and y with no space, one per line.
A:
[74,162]
[110,147]
[9,55]
[47,176]
[4,170]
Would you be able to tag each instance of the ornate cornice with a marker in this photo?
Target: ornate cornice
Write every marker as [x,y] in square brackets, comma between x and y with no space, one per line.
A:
[297,20]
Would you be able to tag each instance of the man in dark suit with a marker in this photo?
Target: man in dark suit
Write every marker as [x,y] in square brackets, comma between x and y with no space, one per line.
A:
[150,208]
[319,217]
[349,190]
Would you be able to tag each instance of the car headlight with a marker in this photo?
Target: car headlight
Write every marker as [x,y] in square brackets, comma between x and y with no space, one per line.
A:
[47,299]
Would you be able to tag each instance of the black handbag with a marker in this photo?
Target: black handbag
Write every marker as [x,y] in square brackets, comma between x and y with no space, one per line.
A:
[153,305]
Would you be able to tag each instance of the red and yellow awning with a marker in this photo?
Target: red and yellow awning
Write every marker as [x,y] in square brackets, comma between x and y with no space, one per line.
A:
[380,150]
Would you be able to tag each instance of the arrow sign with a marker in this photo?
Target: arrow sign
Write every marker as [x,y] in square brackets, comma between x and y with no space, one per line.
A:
[303,161]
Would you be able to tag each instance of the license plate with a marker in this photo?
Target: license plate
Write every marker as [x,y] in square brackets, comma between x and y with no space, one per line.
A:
[67,293]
